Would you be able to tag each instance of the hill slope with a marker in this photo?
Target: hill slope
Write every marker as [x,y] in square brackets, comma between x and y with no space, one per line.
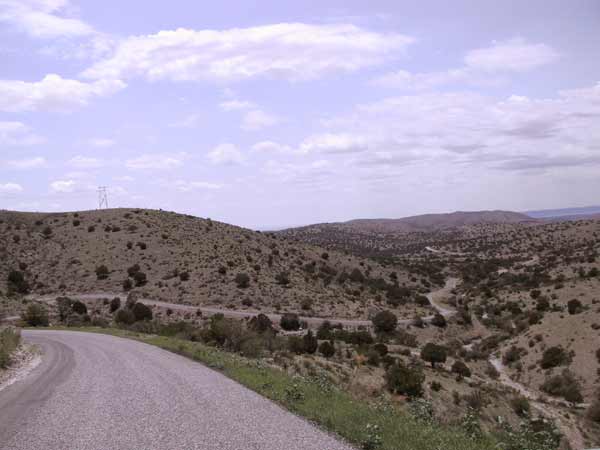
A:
[186,260]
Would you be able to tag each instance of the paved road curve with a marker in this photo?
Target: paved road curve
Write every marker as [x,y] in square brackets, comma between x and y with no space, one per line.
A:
[99,392]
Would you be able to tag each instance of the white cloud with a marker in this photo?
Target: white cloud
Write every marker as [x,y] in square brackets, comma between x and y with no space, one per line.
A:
[225,154]
[63,186]
[42,18]
[257,120]
[292,51]
[85,162]
[515,55]
[187,186]
[517,133]
[10,188]
[52,93]
[156,162]
[235,105]
[26,163]
[333,143]
[482,67]
[101,142]
[271,147]
[17,134]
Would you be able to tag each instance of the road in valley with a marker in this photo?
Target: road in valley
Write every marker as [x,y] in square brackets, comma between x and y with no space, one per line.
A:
[99,392]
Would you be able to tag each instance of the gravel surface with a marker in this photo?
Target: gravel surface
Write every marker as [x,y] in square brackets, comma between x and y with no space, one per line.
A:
[99,392]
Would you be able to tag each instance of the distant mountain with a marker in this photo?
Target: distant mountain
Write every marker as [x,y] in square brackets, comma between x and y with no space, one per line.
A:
[432,222]
[566,213]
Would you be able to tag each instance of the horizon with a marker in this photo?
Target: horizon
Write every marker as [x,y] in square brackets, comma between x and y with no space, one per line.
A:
[299,114]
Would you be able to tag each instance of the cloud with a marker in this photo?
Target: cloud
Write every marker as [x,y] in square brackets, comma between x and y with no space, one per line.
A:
[483,67]
[26,163]
[101,142]
[187,186]
[10,188]
[235,105]
[290,51]
[42,18]
[225,154]
[257,120]
[156,162]
[52,93]
[515,55]
[333,143]
[467,129]
[63,186]
[85,162]
[271,147]
[17,134]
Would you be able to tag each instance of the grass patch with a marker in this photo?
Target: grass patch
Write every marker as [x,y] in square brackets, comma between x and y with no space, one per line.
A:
[359,422]
[9,341]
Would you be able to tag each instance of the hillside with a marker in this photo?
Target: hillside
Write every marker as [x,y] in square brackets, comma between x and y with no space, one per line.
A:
[185,259]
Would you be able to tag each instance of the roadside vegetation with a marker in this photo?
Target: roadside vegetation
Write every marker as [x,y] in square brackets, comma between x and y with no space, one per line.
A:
[10,338]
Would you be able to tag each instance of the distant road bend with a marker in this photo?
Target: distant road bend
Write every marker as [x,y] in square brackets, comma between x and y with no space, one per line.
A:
[99,392]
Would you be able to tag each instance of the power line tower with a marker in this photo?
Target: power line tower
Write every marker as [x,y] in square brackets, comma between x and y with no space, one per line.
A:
[102,197]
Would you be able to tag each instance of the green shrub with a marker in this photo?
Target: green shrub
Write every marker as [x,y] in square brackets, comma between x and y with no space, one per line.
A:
[384,322]
[9,341]
[242,280]
[260,324]
[140,278]
[310,342]
[520,406]
[327,349]
[141,312]
[438,321]
[461,369]
[290,322]
[434,353]
[574,306]
[115,304]
[36,315]
[593,412]
[553,357]
[401,379]
[124,317]
[17,283]
[102,272]
[79,307]
[563,385]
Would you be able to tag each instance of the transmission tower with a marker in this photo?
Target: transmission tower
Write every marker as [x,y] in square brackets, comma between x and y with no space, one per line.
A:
[102,198]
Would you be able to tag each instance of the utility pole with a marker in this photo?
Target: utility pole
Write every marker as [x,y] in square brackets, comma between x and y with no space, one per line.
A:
[102,198]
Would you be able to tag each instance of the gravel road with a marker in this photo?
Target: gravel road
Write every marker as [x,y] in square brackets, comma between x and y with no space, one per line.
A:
[99,392]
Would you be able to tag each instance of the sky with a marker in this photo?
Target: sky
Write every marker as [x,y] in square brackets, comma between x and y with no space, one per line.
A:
[268,114]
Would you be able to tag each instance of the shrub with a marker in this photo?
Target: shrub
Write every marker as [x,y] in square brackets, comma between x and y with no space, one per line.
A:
[434,353]
[184,276]
[295,345]
[593,412]
[461,369]
[401,379]
[64,306]
[127,285]
[17,283]
[310,342]
[140,278]
[553,357]
[9,341]
[102,272]
[242,280]
[357,276]
[283,278]
[141,312]
[115,304]
[385,322]
[327,349]
[290,322]
[574,306]
[438,320]
[47,232]
[131,271]
[380,348]
[260,323]
[79,308]
[35,315]
[124,317]
[520,406]
[563,385]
